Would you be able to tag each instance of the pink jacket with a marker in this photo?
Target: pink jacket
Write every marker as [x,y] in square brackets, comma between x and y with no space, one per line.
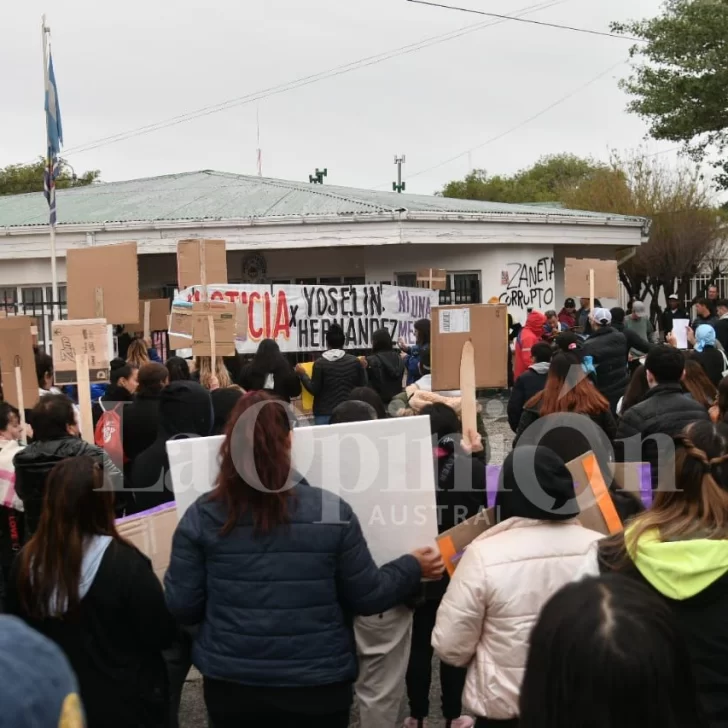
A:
[493,601]
[529,335]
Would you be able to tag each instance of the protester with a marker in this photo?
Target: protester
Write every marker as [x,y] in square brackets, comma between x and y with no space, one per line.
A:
[606,652]
[141,352]
[273,582]
[140,418]
[460,492]
[12,518]
[506,576]
[368,395]
[37,685]
[584,316]
[178,368]
[568,341]
[55,438]
[673,311]
[647,428]
[123,383]
[270,371]
[223,403]
[211,378]
[679,549]
[721,325]
[553,327]
[706,353]
[719,410]
[637,344]
[639,322]
[567,315]
[96,596]
[422,329]
[529,383]
[185,410]
[713,298]
[353,410]
[636,391]
[529,335]
[608,349]
[698,385]
[704,314]
[385,367]
[334,375]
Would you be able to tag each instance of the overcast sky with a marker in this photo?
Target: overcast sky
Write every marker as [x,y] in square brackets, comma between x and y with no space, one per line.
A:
[123,66]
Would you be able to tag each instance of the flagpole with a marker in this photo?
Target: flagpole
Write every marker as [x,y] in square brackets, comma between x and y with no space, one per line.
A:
[55,303]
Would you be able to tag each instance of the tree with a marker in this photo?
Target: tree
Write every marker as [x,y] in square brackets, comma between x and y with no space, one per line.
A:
[681,84]
[17,179]
[687,232]
[541,183]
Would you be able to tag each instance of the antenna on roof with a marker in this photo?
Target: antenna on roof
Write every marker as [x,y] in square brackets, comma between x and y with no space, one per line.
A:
[318,178]
[260,151]
[399,186]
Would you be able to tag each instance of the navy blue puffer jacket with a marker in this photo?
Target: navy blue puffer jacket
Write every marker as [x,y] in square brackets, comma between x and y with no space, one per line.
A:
[275,609]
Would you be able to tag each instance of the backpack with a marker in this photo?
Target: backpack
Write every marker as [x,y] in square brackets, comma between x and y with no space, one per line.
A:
[108,435]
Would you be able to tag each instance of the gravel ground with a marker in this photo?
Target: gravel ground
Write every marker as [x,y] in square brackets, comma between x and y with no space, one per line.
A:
[500,437]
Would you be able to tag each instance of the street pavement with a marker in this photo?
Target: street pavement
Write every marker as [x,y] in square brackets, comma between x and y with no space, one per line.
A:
[192,711]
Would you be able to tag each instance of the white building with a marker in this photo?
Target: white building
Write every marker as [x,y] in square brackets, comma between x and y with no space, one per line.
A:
[309,233]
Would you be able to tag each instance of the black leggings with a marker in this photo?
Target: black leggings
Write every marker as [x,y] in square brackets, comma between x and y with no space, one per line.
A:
[278,719]
[419,670]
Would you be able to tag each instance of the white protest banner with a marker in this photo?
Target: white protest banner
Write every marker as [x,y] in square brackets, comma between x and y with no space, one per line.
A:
[383,469]
[297,317]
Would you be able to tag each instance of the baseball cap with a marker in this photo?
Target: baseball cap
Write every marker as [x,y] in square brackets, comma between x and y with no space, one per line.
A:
[674,296]
[37,685]
[569,303]
[602,316]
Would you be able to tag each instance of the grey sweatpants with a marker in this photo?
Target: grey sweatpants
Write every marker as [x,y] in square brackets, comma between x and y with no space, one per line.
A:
[383,648]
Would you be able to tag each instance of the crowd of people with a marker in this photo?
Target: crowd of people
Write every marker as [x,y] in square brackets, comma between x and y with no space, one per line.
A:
[543,624]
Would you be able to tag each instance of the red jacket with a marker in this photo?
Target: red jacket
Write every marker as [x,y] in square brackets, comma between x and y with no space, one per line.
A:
[529,335]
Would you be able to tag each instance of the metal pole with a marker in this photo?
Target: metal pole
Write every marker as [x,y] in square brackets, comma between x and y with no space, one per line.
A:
[55,305]
[398,186]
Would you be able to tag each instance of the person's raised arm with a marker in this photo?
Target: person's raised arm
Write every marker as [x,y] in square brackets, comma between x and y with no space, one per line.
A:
[314,383]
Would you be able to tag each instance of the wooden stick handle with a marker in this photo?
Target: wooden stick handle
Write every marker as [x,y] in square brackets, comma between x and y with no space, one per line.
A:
[84,398]
[21,400]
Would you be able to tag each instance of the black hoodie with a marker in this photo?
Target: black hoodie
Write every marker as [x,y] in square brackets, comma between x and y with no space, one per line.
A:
[386,372]
[185,410]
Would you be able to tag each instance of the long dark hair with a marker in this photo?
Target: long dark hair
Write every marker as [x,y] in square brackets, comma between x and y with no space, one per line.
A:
[422,330]
[75,507]
[636,390]
[178,368]
[698,383]
[568,389]
[585,670]
[268,359]
[255,463]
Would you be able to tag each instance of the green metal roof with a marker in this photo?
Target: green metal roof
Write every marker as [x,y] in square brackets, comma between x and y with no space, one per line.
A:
[209,195]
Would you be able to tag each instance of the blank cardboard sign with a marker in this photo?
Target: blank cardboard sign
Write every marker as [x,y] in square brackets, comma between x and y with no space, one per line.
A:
[382,468]
[158,314]
[486,326]
[576,278]
[16,350]
[198,259]
[114,270]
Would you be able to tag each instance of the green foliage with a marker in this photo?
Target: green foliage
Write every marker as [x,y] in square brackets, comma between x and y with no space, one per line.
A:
[16,179]
[680,80]
[543,182]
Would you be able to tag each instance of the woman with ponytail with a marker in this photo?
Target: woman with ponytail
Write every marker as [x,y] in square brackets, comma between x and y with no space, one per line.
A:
[679,548]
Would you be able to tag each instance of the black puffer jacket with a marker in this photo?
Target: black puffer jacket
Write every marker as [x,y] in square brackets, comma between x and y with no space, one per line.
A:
[386,371]
[335,374]
[608,349]
[666,410]
[33,464]
[634,340]
[531,382]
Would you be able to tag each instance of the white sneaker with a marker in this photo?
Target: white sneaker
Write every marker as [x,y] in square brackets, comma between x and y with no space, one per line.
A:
[464,721]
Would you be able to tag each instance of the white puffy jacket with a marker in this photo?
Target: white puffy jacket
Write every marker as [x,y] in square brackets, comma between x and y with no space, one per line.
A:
[495,596]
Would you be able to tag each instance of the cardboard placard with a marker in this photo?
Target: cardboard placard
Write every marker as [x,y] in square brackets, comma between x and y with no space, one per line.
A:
[576,278]
[151,532]
[469,403]
[87,337]
[103,282]
[597,509]
[222,315]
[306,396]
[433,278]
[486,326]
[453,542]
[198,259]
[159,310]
[16,357]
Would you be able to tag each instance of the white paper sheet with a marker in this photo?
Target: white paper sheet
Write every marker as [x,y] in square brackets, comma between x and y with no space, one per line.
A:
[679,328]
[383,469]
[454,321]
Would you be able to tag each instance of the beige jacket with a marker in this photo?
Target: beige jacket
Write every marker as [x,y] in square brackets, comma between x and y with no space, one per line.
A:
[493,601]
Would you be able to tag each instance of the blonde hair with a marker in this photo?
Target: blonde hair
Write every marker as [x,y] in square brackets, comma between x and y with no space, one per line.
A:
[137,354]
[203,365]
